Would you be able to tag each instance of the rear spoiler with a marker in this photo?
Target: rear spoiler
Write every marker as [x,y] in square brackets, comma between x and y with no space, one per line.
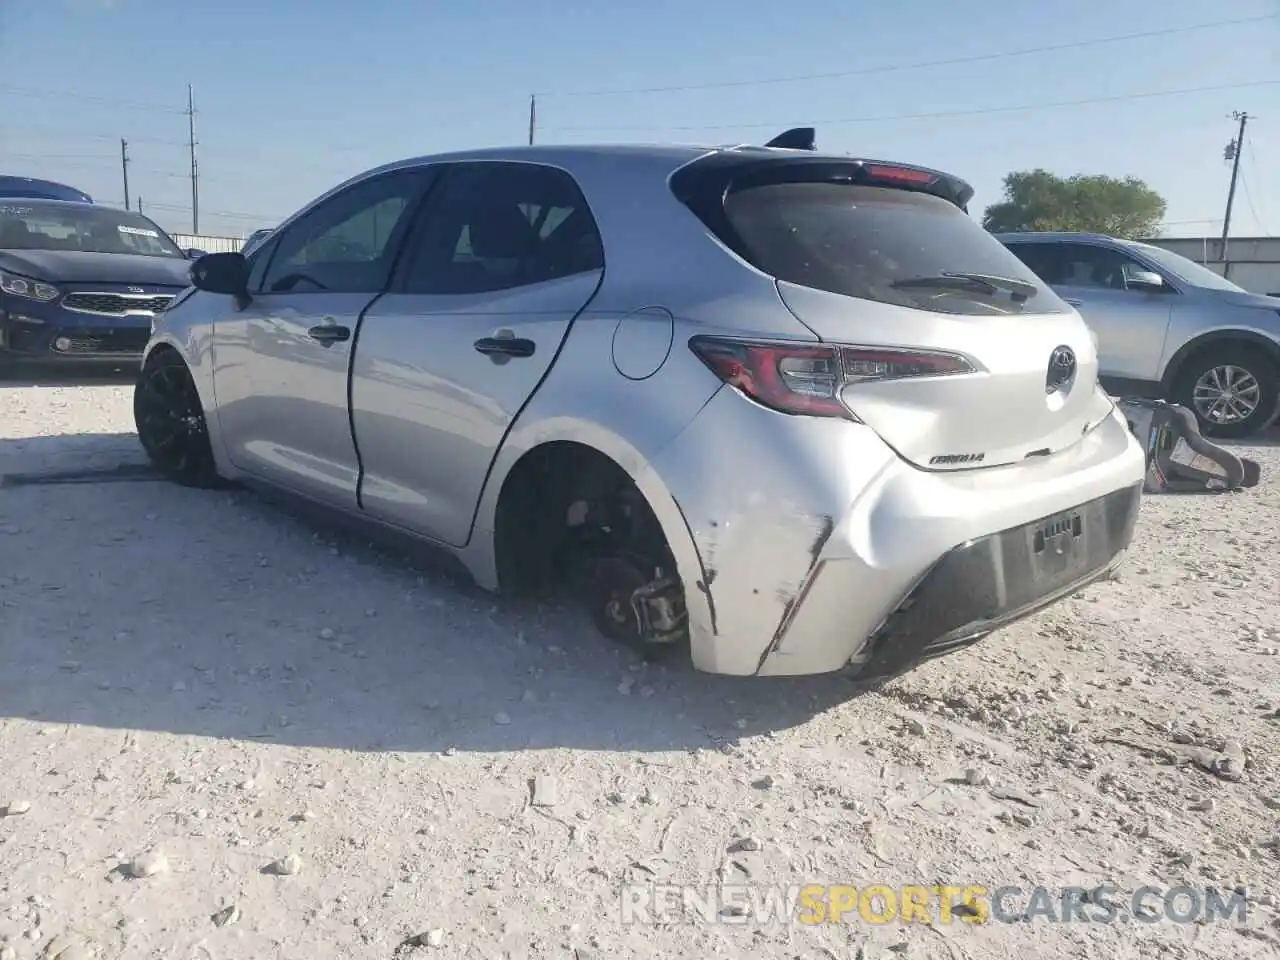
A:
[806,138]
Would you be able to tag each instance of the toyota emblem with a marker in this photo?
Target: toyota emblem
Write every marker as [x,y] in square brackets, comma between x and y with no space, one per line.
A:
[1062,369]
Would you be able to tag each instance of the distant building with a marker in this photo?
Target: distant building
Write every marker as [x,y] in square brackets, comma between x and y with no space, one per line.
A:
[1252,262]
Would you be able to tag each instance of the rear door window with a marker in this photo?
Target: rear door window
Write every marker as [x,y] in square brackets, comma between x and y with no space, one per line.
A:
[1043,258]
[881,243]
[497,225]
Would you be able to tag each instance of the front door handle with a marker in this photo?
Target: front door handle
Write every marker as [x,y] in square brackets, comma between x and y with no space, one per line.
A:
[496,347]
[329,333]
[1073,301]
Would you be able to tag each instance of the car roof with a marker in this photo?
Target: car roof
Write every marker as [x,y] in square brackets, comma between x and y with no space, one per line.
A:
[1031,235]
[661,158]
[585,153]
[570,156]
[13,187]
[46,202]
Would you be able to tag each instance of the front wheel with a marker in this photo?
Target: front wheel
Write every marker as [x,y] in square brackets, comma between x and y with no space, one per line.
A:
[1233,390]
[171,422]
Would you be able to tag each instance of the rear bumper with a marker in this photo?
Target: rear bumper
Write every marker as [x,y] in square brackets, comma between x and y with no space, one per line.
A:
[819,548]
[988,583]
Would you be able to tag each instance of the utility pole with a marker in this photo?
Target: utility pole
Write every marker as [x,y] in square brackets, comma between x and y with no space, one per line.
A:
[139,203]
[533,116]
[124,168]
[195,169]
[1232,153]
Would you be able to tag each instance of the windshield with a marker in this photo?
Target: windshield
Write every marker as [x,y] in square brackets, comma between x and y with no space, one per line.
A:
[37,226]
[1188,270]
[885,244]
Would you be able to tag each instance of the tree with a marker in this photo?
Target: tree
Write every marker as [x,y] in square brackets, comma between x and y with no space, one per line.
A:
[1039,200]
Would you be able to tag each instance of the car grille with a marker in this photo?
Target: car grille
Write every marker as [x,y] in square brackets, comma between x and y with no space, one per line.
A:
[116,304]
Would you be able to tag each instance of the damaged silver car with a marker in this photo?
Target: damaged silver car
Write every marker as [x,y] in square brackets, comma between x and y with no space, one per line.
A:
[797,413]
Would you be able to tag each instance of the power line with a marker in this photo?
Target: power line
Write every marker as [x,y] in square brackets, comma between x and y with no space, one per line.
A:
[918,65]
[222,214]
[1257,178]
[934,115]
[102,137]
[81,161]
[86,98]
[728,84]
[57,156]
[1248,199]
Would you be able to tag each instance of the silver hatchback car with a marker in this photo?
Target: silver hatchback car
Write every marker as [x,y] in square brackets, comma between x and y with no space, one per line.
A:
[1167,327]
[797,412]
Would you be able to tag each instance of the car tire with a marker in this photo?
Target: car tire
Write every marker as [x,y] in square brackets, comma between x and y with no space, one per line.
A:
[171,423]
[1248,365]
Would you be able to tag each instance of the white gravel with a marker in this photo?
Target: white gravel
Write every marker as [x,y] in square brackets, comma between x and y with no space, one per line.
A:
[238,735]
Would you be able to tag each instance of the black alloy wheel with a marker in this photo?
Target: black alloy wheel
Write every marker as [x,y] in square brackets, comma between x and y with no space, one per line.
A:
[171,423]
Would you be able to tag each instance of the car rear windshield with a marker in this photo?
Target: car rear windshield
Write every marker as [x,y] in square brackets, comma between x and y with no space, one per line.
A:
[881,243]
[50,225]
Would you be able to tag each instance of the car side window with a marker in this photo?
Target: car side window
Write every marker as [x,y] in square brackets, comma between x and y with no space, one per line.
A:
[345,244]
[1099,267]
[498,225]
[1043,259]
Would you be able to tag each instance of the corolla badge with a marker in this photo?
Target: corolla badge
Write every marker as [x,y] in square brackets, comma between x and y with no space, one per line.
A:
[1062,369]
[137,290]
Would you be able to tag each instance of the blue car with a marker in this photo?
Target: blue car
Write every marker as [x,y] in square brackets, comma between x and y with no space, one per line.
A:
[82,282]
[33,189]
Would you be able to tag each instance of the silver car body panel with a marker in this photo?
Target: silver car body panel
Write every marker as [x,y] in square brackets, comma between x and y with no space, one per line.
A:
[1141,334]
[282,396]
[430,412]
[753,503]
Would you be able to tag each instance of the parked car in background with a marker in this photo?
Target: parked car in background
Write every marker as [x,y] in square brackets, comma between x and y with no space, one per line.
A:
[34,189]
[1167,327]
[796,411]
[255,239]
[81,281]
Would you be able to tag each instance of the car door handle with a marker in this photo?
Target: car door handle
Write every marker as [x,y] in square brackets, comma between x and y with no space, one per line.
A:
[329,333]
[1073,301]
[505,346]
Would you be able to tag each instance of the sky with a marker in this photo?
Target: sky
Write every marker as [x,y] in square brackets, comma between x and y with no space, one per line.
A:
[293,96]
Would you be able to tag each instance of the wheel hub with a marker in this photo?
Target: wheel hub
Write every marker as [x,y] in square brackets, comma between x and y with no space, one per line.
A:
[1226,394]
[630,605]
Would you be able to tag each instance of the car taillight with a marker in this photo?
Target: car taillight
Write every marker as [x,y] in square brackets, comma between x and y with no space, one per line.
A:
[807,379]
[889,174]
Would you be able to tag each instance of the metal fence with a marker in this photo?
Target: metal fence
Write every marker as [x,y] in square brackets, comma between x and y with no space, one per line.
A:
[208,244]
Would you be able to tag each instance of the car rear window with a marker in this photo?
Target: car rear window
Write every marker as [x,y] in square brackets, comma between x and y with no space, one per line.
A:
[875,243]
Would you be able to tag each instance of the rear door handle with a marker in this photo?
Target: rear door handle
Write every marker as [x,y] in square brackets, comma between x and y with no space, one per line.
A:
[329,333]
[1073,301]
[505,347]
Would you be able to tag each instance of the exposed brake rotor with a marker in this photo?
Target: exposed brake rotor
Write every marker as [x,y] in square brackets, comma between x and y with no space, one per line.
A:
[633,603]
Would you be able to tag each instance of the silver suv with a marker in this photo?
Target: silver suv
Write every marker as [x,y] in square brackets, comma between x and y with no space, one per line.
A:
[1166,326]
[796,412]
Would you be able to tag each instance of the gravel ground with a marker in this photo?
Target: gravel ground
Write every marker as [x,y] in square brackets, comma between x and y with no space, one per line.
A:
[227,732]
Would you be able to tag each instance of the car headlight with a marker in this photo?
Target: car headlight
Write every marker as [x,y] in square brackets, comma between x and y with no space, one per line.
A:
[27,288]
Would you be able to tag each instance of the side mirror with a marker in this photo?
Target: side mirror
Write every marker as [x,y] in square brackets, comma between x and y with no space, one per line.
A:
[191,253]
[1147,281]
[226,273]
